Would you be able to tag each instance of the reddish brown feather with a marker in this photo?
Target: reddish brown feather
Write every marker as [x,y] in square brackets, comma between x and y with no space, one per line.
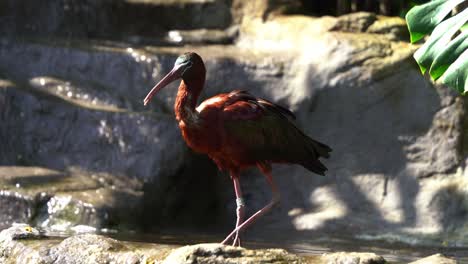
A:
[242,95]
[238,130]
[236,145]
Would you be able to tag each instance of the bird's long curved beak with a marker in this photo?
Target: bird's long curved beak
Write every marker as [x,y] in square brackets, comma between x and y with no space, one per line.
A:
[173,75]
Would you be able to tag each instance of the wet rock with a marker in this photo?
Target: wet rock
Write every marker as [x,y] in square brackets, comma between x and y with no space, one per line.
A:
[19,231]
[13,251]
[85,248]
[352,258]
[82,94]
[219,254]
[90,248]
[59,201]
[63,212]
[435,259]
[22,243]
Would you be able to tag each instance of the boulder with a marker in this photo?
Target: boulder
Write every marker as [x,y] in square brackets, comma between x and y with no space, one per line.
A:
[89,248]
[352,258]
[219,254]
[435,259]
[12,251]
[20,244]
[19,231]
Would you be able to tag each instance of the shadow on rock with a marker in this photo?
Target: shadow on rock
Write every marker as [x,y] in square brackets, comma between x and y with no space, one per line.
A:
[188,199]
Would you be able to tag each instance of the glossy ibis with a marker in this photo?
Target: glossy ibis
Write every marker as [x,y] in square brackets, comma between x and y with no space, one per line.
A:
[237,130]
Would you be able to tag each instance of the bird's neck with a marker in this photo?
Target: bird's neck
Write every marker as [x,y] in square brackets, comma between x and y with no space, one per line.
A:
[186,101]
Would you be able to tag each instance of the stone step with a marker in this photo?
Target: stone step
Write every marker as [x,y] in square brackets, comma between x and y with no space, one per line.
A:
[84,95]
[112,18]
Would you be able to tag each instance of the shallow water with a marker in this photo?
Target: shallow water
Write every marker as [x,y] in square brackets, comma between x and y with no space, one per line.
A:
[309,248]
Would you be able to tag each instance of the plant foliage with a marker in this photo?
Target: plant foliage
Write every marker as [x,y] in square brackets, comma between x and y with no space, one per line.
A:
[445,52]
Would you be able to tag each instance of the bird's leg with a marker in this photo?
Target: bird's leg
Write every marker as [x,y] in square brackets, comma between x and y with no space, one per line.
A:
[239,210]
[275,199]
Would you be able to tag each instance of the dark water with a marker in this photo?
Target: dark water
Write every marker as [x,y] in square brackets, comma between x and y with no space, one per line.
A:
[310,248]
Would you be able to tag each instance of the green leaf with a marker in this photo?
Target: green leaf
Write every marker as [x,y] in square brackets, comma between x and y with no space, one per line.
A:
[438,39]
[456,75]
[448,55]
[423,19]
[464,28]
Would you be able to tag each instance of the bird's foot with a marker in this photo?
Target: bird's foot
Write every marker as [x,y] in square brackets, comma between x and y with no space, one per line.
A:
[236,242]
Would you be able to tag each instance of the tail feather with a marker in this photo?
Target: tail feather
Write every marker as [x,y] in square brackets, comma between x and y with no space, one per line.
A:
[317,150]
[315,166]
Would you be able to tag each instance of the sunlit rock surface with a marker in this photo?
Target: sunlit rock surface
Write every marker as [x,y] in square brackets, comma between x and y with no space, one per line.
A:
[219,254]
[87,248]
[22,243]
[353,258]
[19,231]
[435,259]
[397,171]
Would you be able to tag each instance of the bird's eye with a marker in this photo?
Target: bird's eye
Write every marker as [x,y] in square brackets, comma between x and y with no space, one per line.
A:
[189,65]
[181,60]
[28,229]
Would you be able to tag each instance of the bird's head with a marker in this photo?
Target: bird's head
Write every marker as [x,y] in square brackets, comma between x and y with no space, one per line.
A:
[188,66]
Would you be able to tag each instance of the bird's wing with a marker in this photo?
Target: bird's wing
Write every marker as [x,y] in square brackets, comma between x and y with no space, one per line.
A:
[240,102]
[265,131]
